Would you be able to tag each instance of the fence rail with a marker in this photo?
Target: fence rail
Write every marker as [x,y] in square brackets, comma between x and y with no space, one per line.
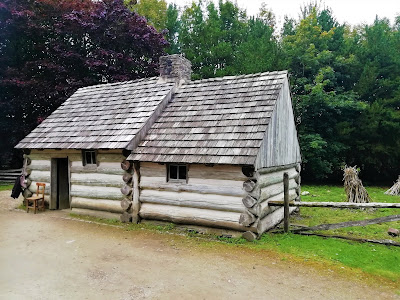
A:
[9,175]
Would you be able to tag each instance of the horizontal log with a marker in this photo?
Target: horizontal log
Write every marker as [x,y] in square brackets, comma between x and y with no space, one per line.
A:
[148,169]
[41,164]
[27,193]
[275,169]
[195,216]
[161,180]
[13,170]
[125,217]
[194,188]
[96,213]
[337,204]
[247,218]
[249,185]
[187,199]
[103,168]
[219,172]
[126,190]
[109,157]
[350,223]
[275,189]
[126,204]
[96,192]
[59,154]
[33,187]
[127,178]
[96,204]
[249,236]
[271,220]
[9,173]
[350,238]
[40,176]
[126,165]
[96,179]
[276,177]
[249,201]
[262,209]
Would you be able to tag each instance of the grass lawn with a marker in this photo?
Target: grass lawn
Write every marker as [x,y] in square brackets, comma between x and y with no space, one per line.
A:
[378,260]
[4,186]
[311,216]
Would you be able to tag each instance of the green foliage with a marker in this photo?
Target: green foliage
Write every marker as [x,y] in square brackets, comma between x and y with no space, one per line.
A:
[223,41]
[377,260]
[155,11]
[5,186]
[311,216]
[345,82]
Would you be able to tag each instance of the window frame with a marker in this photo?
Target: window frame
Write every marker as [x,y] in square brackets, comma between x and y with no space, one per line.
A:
[93,156]
[178,180]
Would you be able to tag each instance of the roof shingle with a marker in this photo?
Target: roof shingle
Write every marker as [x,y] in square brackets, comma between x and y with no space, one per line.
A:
[219,120]
[99,117]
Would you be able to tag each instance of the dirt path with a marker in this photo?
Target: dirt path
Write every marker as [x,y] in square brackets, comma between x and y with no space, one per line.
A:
[48,256]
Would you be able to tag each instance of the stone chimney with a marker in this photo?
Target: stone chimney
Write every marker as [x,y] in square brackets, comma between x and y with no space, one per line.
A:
[175,68]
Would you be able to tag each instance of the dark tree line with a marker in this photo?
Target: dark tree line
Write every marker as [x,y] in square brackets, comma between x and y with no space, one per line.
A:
[345,81]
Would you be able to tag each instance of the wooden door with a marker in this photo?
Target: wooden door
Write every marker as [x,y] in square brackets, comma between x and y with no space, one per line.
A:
[59,183]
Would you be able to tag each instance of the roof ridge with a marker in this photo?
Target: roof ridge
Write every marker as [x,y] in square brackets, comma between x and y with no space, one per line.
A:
[252,75]
[96,86]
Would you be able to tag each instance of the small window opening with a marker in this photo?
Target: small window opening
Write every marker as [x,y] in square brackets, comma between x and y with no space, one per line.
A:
[177,172]
[89,157]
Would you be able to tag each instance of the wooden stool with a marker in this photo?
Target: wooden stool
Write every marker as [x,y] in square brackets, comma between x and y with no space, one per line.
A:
[36,199]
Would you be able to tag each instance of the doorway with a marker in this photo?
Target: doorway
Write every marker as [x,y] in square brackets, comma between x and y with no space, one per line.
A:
[59,183]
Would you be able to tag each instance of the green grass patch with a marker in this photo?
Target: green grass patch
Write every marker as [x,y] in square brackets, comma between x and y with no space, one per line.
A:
[378,260]
[4,186]
[311,216]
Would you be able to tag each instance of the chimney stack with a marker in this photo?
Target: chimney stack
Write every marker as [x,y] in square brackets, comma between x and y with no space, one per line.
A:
[175,68]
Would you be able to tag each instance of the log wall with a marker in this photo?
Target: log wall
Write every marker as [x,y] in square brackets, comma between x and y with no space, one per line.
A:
[212,196]
[94,189]
[267,185]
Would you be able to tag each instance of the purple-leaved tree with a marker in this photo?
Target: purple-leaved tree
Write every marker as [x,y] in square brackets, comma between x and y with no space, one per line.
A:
[50,48]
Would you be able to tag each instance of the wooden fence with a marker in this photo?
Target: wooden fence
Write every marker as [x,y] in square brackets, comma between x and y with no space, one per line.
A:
[302,230]
[9,175]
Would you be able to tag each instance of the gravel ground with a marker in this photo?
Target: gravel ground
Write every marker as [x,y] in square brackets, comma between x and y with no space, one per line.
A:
[51,256]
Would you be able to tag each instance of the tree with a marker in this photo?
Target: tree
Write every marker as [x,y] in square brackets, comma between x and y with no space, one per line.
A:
[51,48]
[173,25]
[324,108]
[155,11]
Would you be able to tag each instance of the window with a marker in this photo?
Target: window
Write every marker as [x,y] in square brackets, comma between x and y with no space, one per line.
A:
[177,172]
[89,157]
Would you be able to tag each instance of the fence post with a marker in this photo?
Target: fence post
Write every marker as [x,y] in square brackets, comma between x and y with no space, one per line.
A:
[286,202]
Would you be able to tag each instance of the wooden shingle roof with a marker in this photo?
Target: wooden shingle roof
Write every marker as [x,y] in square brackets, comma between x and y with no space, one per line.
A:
[215,121]
[105,116]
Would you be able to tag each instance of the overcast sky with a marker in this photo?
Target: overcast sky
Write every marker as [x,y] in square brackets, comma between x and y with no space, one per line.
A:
[353,12]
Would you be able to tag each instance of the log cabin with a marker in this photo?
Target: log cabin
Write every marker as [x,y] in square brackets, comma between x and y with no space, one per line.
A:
[208,153]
